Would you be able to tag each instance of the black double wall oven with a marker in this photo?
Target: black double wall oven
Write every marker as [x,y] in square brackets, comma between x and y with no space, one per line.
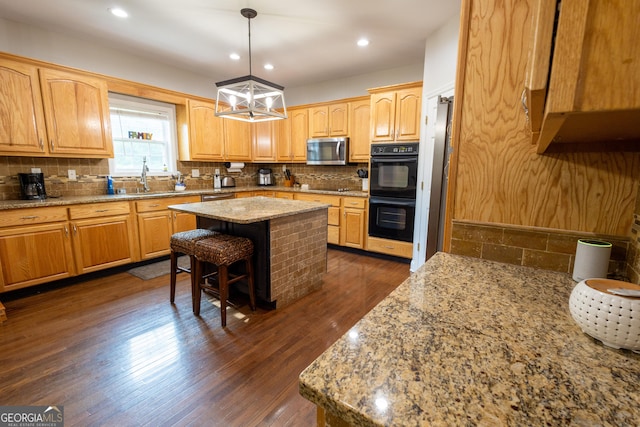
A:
[392,190]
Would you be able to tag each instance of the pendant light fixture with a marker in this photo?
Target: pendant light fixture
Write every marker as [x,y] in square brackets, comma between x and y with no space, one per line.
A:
[250,98]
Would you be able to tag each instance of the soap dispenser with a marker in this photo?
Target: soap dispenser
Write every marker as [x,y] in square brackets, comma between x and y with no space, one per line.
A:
[216,179]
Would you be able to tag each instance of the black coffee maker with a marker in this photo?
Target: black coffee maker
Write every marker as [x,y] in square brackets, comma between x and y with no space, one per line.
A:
[32,186]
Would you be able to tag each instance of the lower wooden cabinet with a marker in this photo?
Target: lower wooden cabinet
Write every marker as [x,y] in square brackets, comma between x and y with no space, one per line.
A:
[333,227]
[390,247]
[35,247]
[102,235]
[354,219]
[156,224]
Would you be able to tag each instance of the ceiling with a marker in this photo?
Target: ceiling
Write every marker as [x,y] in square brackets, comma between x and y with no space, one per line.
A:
[307,41]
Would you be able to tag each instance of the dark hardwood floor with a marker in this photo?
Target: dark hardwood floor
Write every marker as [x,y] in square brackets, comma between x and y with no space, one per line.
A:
[115,352]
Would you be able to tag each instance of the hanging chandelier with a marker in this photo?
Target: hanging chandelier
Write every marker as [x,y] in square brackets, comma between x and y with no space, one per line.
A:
[250,98]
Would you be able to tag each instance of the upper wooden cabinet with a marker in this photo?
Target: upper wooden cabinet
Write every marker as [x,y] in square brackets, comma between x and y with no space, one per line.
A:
[395,112]
[237,140]
[76,110]
[587,97]
[264,136]
[359,130]
[329,120]
[52,112]
[292,144]
[201,135]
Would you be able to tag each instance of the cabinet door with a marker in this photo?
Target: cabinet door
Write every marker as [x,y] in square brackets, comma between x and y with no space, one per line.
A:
[283,129]
[264,135]
[154,230]
[299,134]
[338,119]
[36,254]
[77,114]
[383,113]
[359,131]
[22,128]
[408,107]
[183,222]
[206,131]
[352,229]
[318,122]
[100,243]
[237,139]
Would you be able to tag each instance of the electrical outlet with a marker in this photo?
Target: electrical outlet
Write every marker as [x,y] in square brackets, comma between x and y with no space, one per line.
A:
[195,173]
[216,171]
[71,173]
[36,170]
[284,168]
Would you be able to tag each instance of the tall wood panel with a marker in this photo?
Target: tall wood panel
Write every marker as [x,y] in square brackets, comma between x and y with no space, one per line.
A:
[496,176]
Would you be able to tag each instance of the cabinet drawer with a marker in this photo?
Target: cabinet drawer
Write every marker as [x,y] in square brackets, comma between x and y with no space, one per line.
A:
[334,216]
[96,210]
[322,198]
[152,205]
[390,247]
[32,216]
[354,202]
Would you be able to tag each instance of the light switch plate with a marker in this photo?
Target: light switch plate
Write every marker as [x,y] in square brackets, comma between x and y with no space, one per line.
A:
[36,170]
[284,168]
[71,173]
[195,173]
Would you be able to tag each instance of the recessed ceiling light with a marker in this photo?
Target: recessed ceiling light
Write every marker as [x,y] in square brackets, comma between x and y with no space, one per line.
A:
[363,42]
[234,56]
[268,67]
[120,13]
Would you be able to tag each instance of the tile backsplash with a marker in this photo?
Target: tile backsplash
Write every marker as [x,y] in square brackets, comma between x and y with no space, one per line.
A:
[91,176]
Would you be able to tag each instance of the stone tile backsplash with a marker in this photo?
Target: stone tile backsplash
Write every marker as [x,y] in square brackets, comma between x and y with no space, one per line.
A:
[91,176]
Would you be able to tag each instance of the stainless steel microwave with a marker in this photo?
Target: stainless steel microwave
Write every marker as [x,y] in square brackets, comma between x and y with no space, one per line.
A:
[327,151]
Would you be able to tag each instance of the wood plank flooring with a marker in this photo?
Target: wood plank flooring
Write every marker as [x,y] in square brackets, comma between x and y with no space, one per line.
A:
[115,352]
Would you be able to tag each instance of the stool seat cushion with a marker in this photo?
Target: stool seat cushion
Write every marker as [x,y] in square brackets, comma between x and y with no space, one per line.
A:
[185,241]
[223,249]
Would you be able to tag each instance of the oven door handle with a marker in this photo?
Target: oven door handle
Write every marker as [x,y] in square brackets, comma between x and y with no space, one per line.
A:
[394,159]
[392,202]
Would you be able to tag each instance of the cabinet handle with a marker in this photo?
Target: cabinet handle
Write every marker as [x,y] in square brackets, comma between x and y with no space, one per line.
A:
[101,210]
[66,231]
[389,247]
[75,230]
[51,144]
[154,206]
[29,217]
[41,145]
[175,216]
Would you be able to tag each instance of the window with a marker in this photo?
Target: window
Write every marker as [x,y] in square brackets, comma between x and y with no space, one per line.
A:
[141,129]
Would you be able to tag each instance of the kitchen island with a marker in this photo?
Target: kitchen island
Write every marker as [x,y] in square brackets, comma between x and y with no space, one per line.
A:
[465,341]
[289,236]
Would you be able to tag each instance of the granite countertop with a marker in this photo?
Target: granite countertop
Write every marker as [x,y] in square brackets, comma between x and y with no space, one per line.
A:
[249,209]
[72,200]
[474,342]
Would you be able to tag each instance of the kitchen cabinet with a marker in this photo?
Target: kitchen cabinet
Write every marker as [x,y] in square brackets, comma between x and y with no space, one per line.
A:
[292,145]
[52,112]
[354,222]
[102,235]
[333,221]
[360,130]
[35,247]
[237,140]
[329,120]
[76,112]
[156,224]
[201,135]
[582,91]
[264,137]
[22,130]
[395,113]
[390,247]
[241,194]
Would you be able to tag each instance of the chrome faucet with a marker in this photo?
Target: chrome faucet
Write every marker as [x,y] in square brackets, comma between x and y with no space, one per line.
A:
[143,177]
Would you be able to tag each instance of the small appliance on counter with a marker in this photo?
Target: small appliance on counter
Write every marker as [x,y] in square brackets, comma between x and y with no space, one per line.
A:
[32,186]
[265,177]
[228,181]
[216,179]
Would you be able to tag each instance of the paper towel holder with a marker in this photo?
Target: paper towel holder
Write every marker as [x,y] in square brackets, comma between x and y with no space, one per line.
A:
[234,166]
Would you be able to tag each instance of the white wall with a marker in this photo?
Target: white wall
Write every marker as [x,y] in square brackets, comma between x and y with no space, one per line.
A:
[45,45]
[441,54]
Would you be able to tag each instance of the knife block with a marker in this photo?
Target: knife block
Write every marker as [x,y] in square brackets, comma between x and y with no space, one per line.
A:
[289,182]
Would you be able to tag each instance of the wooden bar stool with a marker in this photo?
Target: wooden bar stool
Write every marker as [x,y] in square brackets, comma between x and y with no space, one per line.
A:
[223,250]
[184,243]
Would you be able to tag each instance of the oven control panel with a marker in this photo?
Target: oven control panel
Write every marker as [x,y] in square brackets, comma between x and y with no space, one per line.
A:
[391,149]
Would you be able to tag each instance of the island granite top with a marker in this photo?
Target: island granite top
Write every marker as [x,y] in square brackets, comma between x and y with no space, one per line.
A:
[249,209]
[465,341]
